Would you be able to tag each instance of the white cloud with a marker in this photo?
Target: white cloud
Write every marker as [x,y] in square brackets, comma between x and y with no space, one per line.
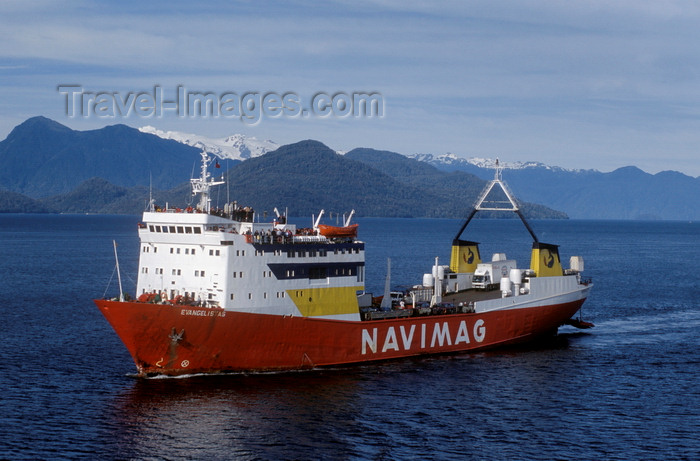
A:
[565,82]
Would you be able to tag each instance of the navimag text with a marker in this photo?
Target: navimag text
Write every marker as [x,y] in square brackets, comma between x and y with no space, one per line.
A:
[249,107]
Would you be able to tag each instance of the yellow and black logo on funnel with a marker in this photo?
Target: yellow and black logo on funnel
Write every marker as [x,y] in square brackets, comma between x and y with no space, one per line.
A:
[469,257]
[545,260]
[465,256]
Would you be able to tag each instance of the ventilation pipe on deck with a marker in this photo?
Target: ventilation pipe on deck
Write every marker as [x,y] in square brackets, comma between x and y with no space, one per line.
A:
[505,287]
[437,291]
[516,277]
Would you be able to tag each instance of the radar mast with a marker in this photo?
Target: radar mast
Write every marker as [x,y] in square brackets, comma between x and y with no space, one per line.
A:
[202,185]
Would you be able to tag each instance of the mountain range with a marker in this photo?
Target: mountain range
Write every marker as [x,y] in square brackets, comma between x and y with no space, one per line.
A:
[47,166]
[41,158]
[304,177]
[625,193]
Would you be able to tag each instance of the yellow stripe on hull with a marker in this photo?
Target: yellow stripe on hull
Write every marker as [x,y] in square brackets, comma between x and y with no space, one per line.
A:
[316,302]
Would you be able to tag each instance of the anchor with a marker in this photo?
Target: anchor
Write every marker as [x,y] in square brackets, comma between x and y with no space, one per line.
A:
[176,337]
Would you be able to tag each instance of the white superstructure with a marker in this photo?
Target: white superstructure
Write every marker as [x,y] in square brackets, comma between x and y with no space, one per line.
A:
[221,258]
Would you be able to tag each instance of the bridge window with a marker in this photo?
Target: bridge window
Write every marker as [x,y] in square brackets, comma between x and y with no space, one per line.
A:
[316,273]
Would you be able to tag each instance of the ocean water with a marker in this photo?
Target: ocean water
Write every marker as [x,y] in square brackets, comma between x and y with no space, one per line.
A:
[627,389]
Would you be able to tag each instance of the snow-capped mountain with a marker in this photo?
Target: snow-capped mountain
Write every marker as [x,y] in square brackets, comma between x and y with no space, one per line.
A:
[64,180]
[451,160]
[236,147]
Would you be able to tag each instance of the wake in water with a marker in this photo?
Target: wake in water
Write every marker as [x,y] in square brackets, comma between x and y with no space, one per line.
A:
[675,326]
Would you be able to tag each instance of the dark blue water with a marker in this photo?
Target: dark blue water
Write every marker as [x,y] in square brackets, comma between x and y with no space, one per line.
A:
[627,389]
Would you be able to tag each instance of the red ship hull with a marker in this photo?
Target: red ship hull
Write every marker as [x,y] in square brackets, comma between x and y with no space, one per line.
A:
[177,340]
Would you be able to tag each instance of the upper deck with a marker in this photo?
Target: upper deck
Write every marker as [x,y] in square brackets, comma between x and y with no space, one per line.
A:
[184,221]
[189,225]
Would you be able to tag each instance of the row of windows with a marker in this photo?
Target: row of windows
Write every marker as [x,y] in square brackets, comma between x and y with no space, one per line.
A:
[290,253]
[316,273]
[175,229]
[188,251]
[311,253]
[159,271]
[279,294]
[239,275]
[321,252]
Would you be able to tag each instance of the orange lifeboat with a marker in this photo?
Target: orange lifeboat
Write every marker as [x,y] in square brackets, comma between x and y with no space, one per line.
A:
[338,231]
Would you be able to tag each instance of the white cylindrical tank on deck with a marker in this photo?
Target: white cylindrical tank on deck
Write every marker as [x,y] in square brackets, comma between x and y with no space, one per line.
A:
[505,286]
[516,276]
[441,272]
[576,263]
[428,280]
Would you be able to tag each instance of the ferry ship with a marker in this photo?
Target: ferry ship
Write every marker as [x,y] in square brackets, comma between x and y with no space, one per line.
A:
[218,291]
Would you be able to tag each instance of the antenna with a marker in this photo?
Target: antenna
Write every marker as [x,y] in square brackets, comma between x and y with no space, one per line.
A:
[228,192]
[151,202]
[119,276]
[202,185]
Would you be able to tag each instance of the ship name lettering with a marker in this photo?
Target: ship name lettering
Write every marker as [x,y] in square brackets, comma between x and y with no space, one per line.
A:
[441,335]
[403,340]
[479,330]
[203,313]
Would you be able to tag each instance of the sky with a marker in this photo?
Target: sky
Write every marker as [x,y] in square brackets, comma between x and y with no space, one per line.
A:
[585,84]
